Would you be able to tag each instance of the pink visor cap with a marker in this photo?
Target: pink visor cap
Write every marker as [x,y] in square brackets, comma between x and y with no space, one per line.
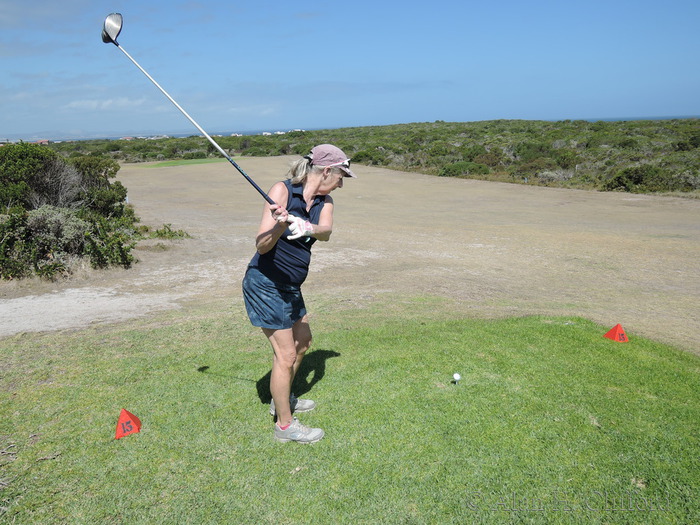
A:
[328,156]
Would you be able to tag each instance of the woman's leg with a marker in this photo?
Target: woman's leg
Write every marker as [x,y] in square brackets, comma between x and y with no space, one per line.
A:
[283,369]
[302,341]
[289,347]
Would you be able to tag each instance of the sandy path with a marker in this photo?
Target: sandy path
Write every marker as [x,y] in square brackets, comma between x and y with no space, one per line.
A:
[498,249]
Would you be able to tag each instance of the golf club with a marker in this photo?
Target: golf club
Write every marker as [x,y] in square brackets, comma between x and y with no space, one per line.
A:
[110,31]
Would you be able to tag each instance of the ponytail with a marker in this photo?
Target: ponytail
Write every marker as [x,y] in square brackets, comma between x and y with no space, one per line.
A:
[299,170]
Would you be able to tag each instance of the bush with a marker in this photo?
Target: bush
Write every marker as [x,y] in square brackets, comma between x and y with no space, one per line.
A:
[491,158]
[22,173]
[61,210]
[96,170]
[167,232]
[15,246]
[439,149]
[464,168]
[565,158]
[301,149]
[374,157]
[689,144]
[109,242]
[255,151]
[40,241]
[530,151]
[554,177]
[648,178]
[56,231]
[537,166]
[470,153]
[47,240]
[194,155]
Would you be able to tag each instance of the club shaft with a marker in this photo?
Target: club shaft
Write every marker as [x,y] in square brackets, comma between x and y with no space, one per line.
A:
[213,142]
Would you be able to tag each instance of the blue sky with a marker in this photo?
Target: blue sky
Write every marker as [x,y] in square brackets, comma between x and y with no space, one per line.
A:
[247,65]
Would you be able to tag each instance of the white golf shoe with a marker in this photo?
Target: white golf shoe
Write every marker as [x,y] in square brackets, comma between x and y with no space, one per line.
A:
[296,404]
[298,432]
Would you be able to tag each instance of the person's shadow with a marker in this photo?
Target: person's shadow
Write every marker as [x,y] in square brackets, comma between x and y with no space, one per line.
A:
[312,370]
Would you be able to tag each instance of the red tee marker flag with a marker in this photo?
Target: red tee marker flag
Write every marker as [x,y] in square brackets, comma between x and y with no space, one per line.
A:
[617,333]
[128,424]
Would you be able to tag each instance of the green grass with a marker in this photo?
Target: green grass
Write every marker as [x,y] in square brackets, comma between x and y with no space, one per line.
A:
[168,163]
[551,423]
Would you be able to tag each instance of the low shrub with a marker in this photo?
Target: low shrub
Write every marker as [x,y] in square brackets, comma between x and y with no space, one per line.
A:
[194,155]
[374,157]
[463,169]
[55,231]
[109,243]
[58,210]
[167,232]
[649,178]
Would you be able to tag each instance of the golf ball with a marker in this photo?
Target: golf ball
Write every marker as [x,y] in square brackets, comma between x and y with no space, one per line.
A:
[457,377]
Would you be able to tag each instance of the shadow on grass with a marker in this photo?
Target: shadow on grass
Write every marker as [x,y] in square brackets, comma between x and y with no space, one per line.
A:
[312,370]
[206,370]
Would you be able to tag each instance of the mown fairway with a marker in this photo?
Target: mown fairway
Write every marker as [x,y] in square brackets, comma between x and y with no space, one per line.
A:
[551,423]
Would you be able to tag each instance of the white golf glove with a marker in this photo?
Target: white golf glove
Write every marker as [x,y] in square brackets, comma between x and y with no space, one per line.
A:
[299,227]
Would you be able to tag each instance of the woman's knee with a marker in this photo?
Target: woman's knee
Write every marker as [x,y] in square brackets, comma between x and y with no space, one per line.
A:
[285,358]
[302,335]
[283,347]
[302,347]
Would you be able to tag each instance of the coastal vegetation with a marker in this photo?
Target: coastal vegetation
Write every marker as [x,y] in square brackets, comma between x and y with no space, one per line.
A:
[56,213]
[59,204]
[636,156]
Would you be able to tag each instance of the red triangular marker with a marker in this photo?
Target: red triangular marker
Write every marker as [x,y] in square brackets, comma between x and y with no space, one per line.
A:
[617,333]
[128,424]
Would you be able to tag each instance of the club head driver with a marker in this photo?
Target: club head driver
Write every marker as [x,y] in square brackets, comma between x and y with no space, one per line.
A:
[110,31]
[111,28]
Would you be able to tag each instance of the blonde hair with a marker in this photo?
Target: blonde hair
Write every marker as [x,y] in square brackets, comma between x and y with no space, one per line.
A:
[301,168]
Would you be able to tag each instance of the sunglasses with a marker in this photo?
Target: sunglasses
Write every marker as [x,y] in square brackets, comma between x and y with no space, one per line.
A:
[345,164]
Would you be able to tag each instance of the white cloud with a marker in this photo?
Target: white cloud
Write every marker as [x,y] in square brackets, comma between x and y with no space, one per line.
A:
[109,104]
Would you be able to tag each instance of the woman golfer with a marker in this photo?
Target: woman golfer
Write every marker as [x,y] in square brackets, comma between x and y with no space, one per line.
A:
[303,214]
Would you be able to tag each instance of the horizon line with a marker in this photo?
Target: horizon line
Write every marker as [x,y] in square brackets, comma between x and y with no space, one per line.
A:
[34,137]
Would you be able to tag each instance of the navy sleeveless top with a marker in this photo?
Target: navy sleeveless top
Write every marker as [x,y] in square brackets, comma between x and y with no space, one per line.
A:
[288,261]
